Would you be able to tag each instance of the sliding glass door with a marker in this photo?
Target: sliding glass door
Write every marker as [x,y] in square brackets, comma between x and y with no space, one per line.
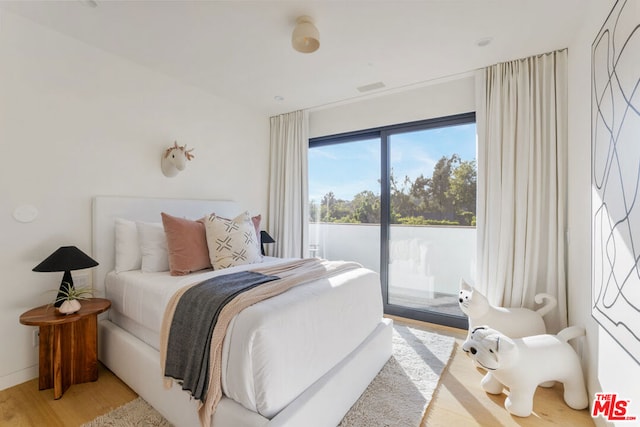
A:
[401,201]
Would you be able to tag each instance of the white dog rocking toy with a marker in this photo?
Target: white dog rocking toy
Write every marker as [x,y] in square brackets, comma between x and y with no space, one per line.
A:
[513,322]
[521,364]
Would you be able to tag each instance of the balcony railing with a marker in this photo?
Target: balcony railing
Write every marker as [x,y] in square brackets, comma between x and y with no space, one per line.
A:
[425,262]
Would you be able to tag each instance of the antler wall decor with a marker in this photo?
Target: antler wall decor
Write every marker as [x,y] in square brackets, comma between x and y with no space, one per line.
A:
[174,159]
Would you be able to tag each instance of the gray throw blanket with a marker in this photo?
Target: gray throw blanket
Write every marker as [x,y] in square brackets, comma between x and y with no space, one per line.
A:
[189,345]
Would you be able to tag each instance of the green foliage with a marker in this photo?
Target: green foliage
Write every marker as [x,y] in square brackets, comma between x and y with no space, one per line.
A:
[447,197]
[418,220]
[69,293]
[366,207]
[462,191]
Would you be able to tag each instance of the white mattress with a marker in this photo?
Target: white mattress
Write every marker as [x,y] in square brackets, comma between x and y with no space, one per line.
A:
[275,349]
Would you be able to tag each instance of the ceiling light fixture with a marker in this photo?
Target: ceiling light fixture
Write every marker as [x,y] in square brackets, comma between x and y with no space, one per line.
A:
[305,37]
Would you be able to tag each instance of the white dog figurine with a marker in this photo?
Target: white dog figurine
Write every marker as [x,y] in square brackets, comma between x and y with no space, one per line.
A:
[513,322]
[521,364]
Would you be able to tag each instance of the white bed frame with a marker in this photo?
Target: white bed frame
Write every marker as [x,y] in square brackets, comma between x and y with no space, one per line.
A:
[323,404]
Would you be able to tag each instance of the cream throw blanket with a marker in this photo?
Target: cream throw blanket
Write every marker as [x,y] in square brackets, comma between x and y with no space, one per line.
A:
[291,274]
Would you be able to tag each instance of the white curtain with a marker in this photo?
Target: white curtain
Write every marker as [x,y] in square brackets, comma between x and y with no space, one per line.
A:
[288,188]
[522,179]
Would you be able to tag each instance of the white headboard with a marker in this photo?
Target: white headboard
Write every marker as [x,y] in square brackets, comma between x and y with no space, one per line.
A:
[105,209]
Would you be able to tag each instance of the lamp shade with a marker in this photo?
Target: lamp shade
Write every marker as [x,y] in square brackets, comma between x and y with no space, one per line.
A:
[305,37]
[66,258]
[265,237]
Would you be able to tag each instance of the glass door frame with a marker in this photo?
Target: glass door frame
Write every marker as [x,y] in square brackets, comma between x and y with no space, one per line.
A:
[385,219]
[383,134]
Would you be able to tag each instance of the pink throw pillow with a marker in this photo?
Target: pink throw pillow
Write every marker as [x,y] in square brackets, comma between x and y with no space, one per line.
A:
[187,244]
[256,224]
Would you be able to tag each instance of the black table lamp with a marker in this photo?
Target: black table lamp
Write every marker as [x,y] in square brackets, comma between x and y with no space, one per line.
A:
[65,258]
[265,238]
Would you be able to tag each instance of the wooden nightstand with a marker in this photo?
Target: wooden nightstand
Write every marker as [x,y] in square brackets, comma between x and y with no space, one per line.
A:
[68,344]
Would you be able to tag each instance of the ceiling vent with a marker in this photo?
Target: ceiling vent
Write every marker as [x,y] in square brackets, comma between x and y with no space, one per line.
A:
[370,87]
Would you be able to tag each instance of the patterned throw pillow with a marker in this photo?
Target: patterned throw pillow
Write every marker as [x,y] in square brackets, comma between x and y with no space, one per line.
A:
[232,242]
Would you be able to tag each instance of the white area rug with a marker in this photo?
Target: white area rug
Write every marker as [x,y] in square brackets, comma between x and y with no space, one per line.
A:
[136,413]
[398,395]
[401,392]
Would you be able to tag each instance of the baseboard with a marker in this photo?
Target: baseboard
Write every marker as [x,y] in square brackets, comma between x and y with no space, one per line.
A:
[19,377]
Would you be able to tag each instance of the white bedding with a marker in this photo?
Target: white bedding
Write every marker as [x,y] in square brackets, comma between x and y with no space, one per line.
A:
[273,350]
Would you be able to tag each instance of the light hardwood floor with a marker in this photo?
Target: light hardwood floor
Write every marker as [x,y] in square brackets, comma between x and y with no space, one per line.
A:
[459,401]
[25,406]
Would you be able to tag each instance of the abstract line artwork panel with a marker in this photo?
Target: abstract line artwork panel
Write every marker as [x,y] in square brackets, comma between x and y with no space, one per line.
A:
[615,169]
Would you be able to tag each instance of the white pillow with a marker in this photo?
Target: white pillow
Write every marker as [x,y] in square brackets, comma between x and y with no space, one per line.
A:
[128,256]
[232,242]
[153,246]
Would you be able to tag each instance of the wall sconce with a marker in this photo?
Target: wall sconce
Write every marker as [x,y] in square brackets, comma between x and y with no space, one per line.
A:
[305,37]
[174,159]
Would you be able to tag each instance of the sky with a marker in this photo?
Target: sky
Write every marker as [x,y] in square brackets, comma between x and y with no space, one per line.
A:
[349,168]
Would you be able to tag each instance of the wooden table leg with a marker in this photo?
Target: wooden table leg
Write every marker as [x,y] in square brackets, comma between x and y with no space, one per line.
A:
[68,355]
[60,383]
[84,351]
[45,358]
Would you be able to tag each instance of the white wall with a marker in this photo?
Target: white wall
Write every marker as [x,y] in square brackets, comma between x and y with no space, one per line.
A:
[609,368]
[76,122]
[439,99]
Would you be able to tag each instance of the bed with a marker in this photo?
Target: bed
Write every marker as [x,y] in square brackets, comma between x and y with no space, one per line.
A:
[282,362]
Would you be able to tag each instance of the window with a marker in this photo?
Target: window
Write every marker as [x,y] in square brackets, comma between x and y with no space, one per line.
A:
[401,201]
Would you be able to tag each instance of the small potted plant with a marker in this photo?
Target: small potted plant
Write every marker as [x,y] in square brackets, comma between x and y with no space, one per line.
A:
[70,297]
